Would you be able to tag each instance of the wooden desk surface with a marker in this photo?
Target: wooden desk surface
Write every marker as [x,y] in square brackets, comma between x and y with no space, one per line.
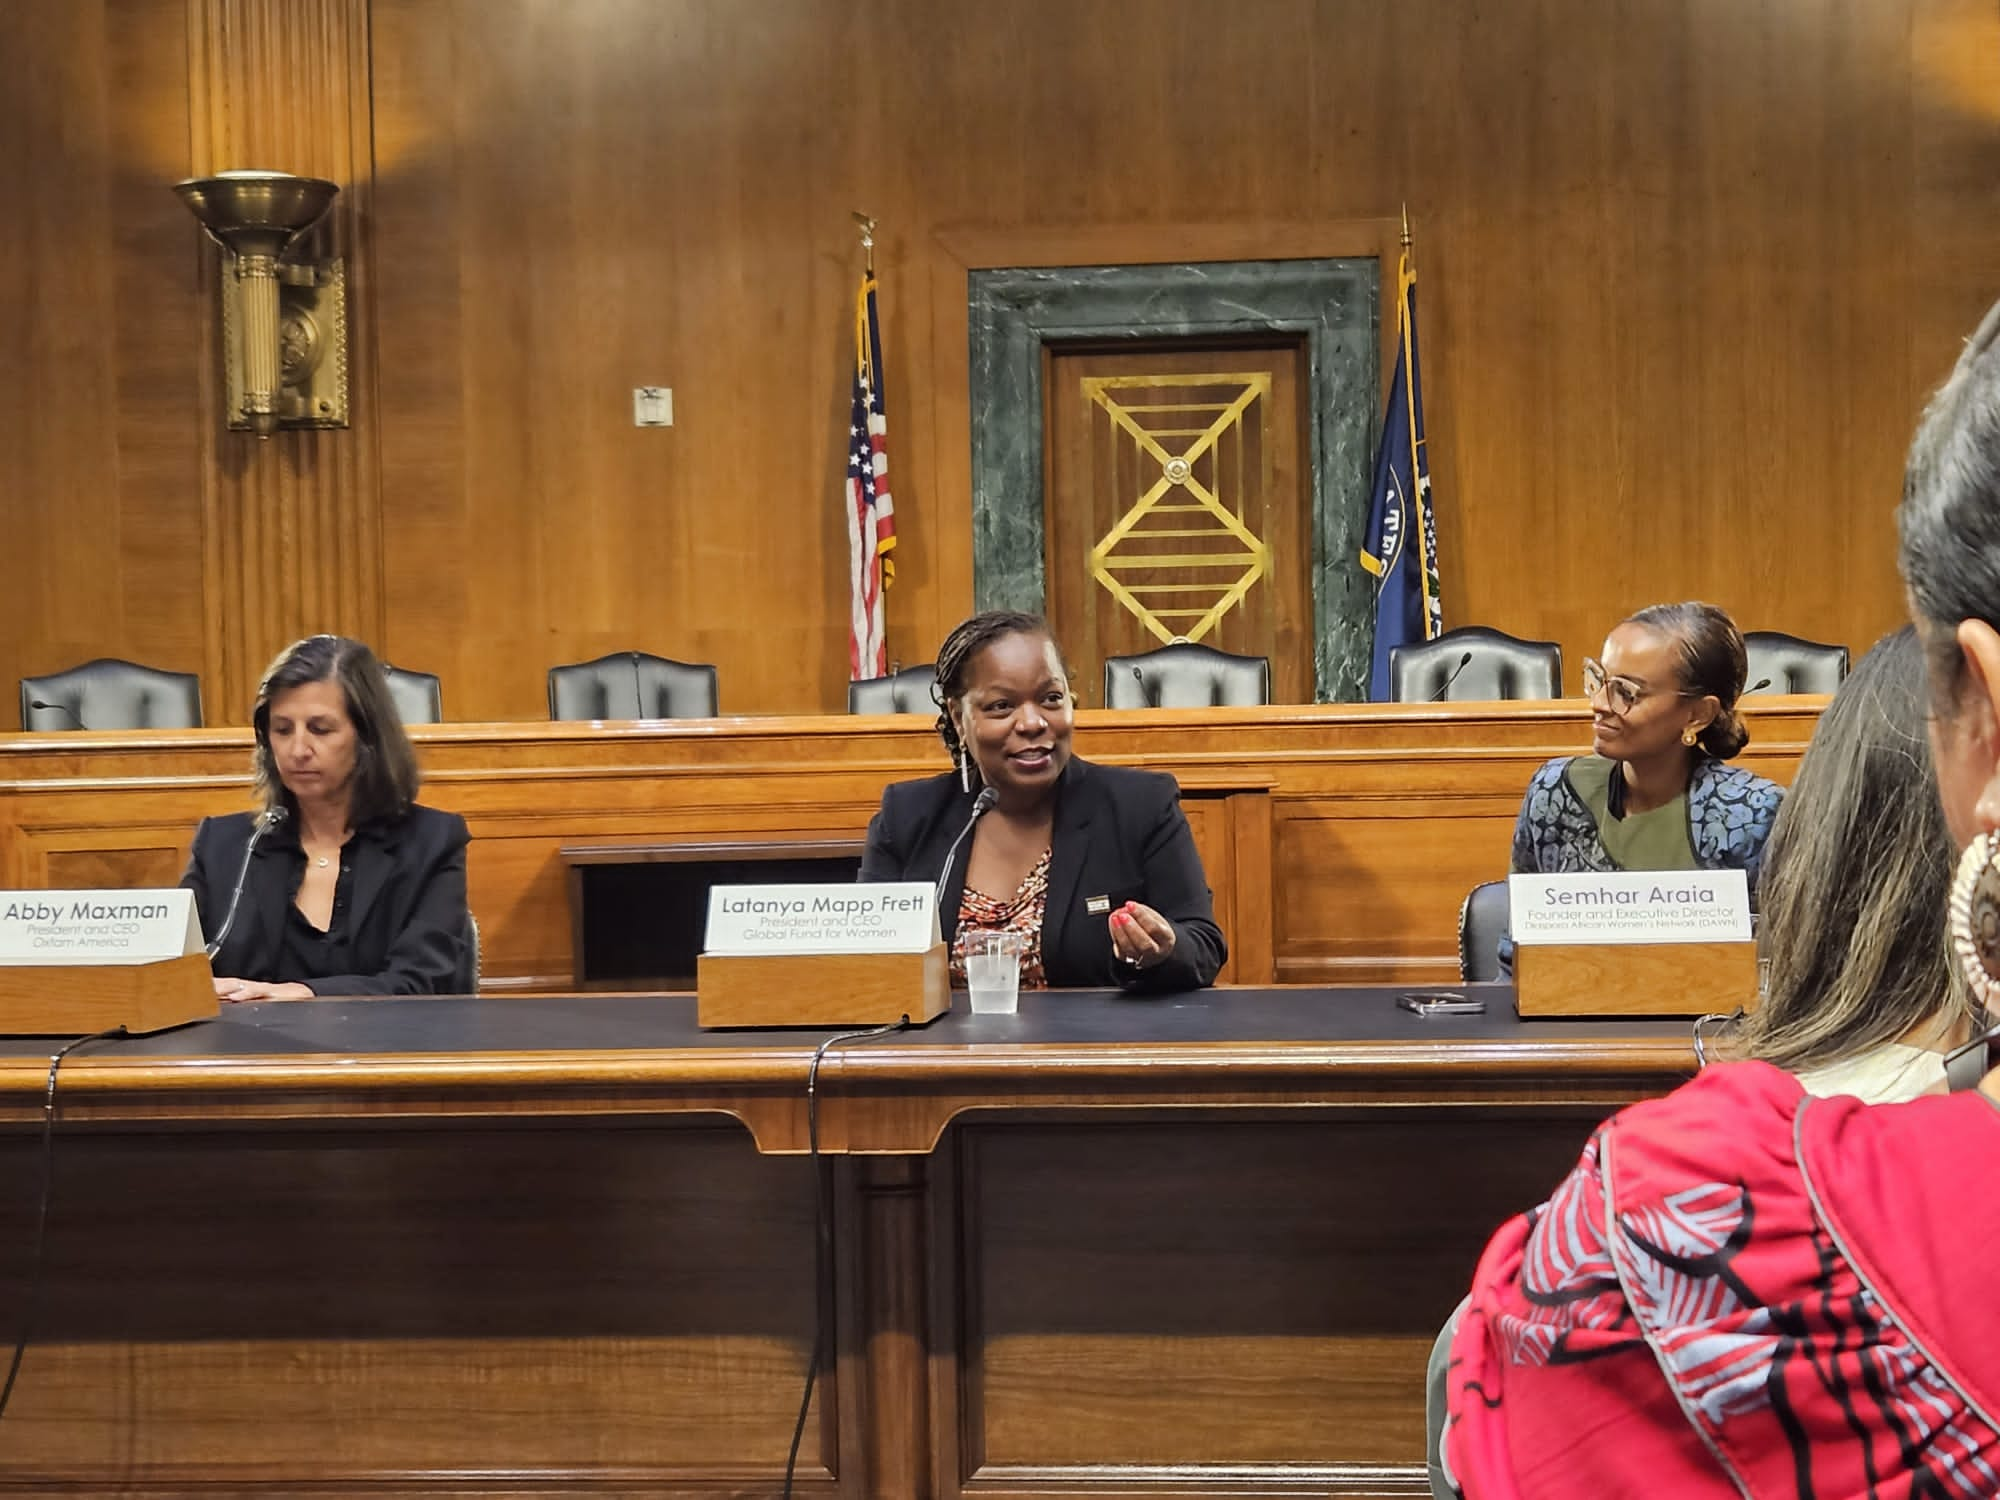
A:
[448,1058]
[463,1248]
[1340,839]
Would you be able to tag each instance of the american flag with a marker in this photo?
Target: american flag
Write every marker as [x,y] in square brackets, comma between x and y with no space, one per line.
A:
[871,518]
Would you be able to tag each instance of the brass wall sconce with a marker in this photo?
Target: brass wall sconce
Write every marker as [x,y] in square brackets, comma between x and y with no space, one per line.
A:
[284,323]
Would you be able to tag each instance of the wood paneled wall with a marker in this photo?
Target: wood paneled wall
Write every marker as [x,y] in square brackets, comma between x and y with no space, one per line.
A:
[1687,273]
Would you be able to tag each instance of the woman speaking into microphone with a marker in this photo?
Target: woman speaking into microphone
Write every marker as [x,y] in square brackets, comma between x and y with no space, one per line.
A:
[340,884]
[1094,865]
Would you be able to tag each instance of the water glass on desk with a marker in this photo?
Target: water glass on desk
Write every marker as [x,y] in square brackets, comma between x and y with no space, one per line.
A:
[993,971]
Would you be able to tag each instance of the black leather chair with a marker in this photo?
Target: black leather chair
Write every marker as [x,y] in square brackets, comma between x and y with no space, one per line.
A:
[419,696]
[1500,666]
[466,982]
[1482,922]
[632,685]
[112,694]
[1186,675]
[1793,664]
[904,692]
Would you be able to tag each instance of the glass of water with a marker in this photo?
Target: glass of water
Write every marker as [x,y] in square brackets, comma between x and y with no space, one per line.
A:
[993,970]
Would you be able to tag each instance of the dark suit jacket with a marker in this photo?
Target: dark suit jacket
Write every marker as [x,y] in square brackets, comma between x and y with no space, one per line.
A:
[1118,834]
[408,925]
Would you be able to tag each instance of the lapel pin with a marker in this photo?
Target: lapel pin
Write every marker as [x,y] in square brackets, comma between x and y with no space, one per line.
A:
[1097,905]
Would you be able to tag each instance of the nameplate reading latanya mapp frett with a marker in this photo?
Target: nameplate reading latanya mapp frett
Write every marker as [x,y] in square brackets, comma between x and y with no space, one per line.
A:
[97,927]
[892,917]
[1631,906]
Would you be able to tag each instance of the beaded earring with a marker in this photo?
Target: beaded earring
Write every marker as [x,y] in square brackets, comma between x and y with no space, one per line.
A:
[1975,918]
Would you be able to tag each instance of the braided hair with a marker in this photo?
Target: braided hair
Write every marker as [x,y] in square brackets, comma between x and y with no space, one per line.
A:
[967,641]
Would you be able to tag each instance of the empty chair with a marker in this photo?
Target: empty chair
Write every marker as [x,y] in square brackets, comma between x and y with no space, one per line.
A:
[632,685]
[419,696]
[1482,922]
[112,694]
[1793,664]
[906,692]
[1475,664]
[1186,675]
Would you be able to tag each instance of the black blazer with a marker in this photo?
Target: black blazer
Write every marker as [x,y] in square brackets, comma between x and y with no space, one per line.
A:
[1119,836]
[408,926]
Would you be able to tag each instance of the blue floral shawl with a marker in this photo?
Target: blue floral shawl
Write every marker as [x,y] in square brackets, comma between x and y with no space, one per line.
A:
[1730,812]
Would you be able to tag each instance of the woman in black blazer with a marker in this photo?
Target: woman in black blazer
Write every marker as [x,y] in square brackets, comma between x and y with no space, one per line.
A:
[1094,864]
[348,887]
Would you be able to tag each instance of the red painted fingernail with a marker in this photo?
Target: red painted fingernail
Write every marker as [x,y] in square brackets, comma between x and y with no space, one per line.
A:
[1120,918]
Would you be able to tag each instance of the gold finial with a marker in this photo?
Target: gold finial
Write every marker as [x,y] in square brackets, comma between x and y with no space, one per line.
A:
[1406,226]
[867,227]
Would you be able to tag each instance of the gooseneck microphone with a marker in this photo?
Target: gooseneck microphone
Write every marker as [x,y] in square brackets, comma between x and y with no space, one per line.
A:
[1145,689]
[265,823]
[59,708]
[1463,662]
[1758,686]
[981,806]
[638,690]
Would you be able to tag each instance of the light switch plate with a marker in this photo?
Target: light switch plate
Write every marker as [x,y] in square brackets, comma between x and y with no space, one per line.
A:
[653,406]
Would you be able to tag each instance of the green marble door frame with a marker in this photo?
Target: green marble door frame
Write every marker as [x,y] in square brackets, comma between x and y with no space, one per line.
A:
[1333,304]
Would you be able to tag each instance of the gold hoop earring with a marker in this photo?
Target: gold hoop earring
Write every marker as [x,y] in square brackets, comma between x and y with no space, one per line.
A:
[1975,918]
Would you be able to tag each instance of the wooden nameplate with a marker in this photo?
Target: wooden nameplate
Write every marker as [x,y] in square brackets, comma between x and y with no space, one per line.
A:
[77,999]
[1634,979]
[821,989]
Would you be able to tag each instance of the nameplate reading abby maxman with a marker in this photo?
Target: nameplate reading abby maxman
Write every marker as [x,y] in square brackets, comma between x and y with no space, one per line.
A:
[891,917]
[1631,906]
[97,927]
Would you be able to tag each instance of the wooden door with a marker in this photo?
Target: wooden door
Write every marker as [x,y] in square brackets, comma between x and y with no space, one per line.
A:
[1179,505]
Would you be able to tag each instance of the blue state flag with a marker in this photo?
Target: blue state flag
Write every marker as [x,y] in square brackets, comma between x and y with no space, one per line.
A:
[1401,545]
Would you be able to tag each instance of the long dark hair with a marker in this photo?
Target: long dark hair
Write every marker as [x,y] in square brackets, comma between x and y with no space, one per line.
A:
[385,767]
[1856,874]
[1713,664]
[955,655]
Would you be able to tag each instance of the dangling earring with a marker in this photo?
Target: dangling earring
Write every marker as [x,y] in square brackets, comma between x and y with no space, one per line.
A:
[1975,918]
[964,768]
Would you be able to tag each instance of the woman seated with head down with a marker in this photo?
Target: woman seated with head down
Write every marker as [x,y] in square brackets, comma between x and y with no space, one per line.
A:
[1094,865]
[1657,793]
[347,886]
[1744,1289]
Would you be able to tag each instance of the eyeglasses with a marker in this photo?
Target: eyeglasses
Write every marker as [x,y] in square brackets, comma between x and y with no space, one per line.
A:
[1623,693]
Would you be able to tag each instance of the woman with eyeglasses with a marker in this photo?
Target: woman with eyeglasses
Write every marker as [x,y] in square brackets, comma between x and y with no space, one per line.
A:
[1658,793]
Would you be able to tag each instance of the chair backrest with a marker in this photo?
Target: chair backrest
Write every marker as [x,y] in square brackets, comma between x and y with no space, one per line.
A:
[904,692]
[419,696]
[1792,663]
[466,982]
[1186,675]
[632,685]
[1500,666]
[112,694]
[1482,922]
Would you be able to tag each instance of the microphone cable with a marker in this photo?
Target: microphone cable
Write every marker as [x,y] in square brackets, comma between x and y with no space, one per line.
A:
[822,1229]
[34,1296]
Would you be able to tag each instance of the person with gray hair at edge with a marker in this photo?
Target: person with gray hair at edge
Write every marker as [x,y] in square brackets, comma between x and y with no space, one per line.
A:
[1743,1289]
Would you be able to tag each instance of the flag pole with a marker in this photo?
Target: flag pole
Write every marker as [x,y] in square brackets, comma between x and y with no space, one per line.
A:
[1419,460]
[867,227]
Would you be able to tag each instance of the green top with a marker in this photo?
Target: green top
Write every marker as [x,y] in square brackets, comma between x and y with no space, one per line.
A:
[1655,840]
